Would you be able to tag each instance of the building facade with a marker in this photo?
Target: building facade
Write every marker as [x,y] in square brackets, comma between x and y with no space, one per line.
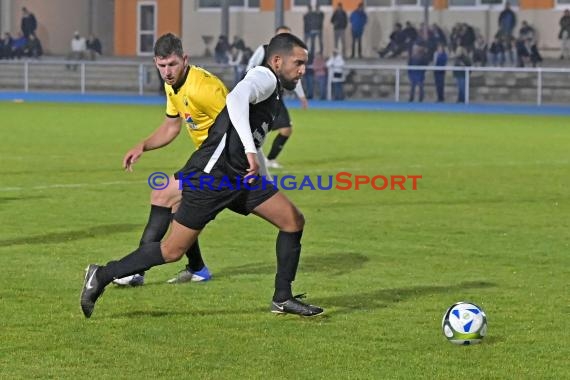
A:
[128,28]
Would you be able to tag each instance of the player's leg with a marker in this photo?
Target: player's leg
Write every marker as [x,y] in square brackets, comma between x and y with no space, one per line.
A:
[283,125]
[164,204]
[196,270]
[158,222]
[143,258]
[282,213]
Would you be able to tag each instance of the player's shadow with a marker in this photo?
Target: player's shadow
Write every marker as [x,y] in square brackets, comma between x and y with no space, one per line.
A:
[66,236]
[382,298]
[333,263]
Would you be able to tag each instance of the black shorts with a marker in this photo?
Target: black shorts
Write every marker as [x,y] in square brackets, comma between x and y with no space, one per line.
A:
[282,120]
[201,204]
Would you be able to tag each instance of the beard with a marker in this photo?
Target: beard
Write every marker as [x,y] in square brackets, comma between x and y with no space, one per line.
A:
[288,84]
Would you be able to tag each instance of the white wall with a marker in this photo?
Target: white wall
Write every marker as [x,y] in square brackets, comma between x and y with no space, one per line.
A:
[257,27]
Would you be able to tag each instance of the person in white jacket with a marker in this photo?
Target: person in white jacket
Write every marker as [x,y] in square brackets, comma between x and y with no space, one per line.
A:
[335,65]
[283,122]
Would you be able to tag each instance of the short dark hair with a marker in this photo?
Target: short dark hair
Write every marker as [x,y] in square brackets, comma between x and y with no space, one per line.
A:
[168,44]
[282,27]
[283,43]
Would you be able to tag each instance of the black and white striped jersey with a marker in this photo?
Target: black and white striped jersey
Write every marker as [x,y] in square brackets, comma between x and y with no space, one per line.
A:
[241,127]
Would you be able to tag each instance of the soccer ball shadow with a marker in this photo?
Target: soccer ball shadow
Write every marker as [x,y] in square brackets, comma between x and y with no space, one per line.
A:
[382,298]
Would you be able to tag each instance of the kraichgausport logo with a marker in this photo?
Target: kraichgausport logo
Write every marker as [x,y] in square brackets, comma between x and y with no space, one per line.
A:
[338,181]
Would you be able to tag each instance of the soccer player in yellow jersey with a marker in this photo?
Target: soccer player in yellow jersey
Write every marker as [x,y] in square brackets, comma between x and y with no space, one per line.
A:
[196,97]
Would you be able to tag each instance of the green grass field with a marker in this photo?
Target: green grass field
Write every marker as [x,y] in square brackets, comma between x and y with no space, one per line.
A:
[489,223]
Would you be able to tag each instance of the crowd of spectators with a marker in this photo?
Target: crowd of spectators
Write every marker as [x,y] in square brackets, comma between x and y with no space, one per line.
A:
[25,43]
[508,47]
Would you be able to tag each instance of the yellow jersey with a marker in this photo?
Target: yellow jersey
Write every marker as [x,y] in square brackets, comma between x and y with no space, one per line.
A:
[198,101]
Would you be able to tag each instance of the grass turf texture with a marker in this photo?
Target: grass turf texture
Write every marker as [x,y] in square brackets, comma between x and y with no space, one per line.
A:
[489,223]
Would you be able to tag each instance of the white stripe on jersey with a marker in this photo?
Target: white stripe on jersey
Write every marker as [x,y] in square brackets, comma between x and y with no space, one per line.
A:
[217,153]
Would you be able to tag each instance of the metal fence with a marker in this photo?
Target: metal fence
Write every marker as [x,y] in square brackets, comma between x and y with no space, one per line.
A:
[142,78]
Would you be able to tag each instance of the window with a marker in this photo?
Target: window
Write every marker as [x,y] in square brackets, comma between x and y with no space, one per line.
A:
[379,3]
[233,3]
[146,22]
[475,3]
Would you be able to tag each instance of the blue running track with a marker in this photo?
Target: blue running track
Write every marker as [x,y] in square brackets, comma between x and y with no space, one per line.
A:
[368,105]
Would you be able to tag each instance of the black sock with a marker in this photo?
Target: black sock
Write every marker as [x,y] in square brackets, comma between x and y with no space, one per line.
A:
[143,258]
[195,261]
[288,253]
[158,222]
[277,146]
[157,225]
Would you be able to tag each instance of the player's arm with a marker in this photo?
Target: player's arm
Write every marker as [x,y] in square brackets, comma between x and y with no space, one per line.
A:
[257,86]
[162,136]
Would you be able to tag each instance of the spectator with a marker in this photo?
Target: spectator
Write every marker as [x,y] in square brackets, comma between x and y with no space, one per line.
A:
[235,59]
[238,43]
[535,57]
[526,31]
[33,48]
[313,28]
[440,59]
[523,52]
[29,23]
[78,49]
[480,52]
[509,48]
[358,20]
[497,52]
[335,64]
[19,45]
[461,60]
[397,43]
[339,20]
[7,46]
[439,34]
[431,41]
[454,37]
[318,26]
[564,35]
[417,76]
[307,20]
[221,50]
[410,36]
[320,70]
[507,21]
[94,48]
[467,37]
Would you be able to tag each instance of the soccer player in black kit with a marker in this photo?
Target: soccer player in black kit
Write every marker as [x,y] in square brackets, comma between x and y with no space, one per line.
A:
[229,152]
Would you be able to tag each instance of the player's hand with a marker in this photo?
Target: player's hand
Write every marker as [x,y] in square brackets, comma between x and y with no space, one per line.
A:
[304,103]
[253,168]
[131,157]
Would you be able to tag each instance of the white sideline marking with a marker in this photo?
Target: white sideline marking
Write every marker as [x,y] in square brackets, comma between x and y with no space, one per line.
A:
[70,185]
[323,171]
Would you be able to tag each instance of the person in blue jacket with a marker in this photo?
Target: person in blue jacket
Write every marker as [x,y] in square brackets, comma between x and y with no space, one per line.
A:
[440,59]
[358,20]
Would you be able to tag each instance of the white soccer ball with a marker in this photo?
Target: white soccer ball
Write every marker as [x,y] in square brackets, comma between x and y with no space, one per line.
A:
[464,323]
